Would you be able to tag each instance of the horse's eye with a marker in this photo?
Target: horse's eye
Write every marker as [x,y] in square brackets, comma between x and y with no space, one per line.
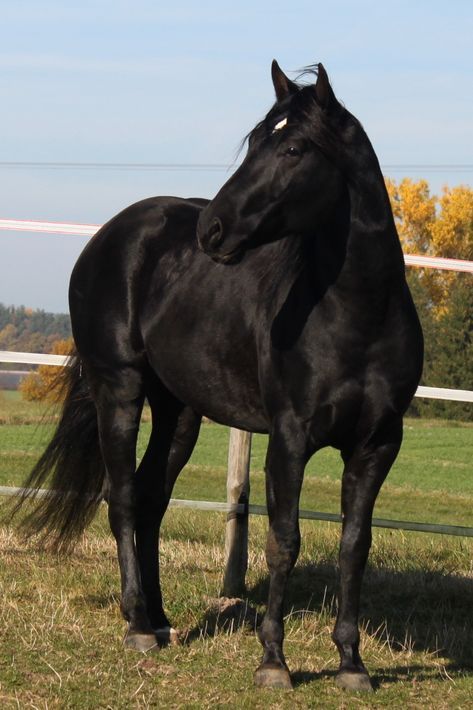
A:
[293,151]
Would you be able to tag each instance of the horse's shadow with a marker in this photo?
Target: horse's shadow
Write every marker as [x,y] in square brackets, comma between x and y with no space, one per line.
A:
[414,610]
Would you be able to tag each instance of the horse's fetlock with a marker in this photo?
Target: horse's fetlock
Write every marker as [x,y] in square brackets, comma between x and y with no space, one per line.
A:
[270,633]
[346,636]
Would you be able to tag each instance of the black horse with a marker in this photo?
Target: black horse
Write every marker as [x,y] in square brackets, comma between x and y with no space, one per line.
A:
[280,306]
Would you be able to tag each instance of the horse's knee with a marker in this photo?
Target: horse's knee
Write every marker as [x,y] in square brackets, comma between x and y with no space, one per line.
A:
[282,548]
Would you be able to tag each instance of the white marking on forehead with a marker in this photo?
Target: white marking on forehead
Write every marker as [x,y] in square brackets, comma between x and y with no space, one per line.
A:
[279,126]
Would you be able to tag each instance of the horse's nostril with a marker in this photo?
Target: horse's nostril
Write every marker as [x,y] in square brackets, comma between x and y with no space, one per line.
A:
[215,233]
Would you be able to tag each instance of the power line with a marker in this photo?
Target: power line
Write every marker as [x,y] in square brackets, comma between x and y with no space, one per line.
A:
[40,165]
[431,167]
[202,167]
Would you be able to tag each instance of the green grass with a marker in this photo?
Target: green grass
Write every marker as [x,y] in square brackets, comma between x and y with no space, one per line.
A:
[10,395]
[431,481]
[61,628]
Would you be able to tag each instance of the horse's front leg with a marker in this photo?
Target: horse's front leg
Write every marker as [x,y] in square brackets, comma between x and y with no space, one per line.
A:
[285,462]
[365,470]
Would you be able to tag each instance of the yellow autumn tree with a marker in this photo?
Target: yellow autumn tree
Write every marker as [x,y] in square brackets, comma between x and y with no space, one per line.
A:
[452,237]
[452,231]
[414,210]
[40,385]
[414,213]
[436,226]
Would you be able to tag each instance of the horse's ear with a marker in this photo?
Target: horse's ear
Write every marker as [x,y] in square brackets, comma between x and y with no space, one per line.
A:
[323,91]
[282,85]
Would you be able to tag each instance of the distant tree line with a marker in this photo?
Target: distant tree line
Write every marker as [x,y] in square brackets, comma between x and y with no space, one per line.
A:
[34,331]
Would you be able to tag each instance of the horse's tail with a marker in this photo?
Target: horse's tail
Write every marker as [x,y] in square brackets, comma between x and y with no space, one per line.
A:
[72,464]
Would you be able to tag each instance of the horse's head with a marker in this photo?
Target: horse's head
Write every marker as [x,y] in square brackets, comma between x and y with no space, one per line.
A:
[292,176]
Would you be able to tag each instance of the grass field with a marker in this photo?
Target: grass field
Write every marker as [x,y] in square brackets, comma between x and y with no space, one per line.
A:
[61,629]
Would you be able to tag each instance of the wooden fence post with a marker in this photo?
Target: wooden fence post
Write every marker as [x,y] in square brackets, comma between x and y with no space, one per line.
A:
[236,534]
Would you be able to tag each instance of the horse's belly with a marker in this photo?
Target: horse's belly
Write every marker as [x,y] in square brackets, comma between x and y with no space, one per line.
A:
[225,390]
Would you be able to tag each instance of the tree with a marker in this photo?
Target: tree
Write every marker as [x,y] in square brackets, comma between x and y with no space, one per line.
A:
[423,305]
[451,360]
[452,237]
[414,213]
[8,336]
[435,226]
[452,230]
[43,384]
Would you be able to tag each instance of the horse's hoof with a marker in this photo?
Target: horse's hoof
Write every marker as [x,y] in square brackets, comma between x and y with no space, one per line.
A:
[354,681]
[273,677]
[141,642]
[167,636]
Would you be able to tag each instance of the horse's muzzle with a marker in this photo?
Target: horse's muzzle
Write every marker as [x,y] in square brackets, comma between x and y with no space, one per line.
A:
[210,237]
[215,234]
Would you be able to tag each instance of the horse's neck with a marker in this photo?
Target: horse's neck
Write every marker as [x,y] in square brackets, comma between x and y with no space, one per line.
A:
[372,247]
[359,252]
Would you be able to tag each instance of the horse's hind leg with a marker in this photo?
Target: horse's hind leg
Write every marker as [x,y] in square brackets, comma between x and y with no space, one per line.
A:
[118,396]
[174,434]
[365,470]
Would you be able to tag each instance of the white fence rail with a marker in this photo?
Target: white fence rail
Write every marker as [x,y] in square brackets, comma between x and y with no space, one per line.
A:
[33,358]
[88,230]
[27,225]
[60,360]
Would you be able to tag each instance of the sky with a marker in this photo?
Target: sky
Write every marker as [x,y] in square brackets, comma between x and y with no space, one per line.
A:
[180,83]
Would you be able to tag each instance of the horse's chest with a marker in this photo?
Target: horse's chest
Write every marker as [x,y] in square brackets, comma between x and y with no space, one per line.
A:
[333,372]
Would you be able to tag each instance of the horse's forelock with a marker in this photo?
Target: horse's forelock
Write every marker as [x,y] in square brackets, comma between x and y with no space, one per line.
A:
[303,113]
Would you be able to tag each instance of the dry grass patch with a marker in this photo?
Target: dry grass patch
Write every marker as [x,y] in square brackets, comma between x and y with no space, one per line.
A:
[62,632]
